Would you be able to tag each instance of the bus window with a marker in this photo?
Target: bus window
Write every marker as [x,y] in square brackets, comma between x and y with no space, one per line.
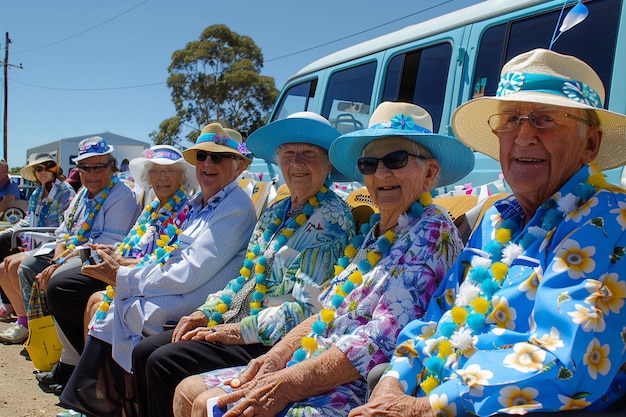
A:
[348,97]
[297,98]
[594,41]
[420,77]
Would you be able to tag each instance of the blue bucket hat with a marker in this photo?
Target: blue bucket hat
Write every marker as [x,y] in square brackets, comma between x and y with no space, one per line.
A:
[409,121]
[300,127]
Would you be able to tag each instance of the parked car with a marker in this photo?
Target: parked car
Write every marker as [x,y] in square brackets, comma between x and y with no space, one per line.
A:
[14,209]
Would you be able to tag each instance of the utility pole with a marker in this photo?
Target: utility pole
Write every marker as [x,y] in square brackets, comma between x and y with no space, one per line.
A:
[6,93]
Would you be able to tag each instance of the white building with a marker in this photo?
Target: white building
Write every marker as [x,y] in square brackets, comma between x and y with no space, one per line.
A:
[66,149]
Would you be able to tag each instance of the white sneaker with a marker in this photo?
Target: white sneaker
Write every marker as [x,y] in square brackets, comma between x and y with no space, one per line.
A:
[14,334]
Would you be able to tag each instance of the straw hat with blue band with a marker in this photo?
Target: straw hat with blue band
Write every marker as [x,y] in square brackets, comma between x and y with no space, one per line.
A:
[35,159]
[543,77]
[161,155]
[409,121]
[214,139]
[93,146]
[300,127]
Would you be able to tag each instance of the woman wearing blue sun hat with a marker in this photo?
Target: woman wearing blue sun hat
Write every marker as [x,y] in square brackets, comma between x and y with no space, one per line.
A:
[383,281]
[290,259]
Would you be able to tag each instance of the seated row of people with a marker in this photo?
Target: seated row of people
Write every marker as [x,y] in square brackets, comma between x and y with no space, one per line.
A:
[525,318]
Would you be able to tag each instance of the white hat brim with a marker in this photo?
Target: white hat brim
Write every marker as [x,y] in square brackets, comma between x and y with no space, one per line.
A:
[469,122]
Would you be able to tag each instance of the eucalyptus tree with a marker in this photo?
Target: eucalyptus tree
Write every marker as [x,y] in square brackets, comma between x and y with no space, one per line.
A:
[216,78]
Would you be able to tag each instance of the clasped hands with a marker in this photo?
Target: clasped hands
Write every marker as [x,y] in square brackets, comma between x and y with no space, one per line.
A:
[194,327]
[264,388]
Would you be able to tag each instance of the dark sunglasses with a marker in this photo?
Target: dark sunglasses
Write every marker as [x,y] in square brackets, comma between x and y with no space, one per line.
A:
[39,169]
[216,158]
[97,168]
[368,164]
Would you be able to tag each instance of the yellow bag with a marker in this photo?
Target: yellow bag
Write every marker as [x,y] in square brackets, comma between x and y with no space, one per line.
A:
[43,345]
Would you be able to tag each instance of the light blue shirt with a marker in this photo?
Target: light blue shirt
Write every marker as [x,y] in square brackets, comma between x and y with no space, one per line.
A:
[211,251]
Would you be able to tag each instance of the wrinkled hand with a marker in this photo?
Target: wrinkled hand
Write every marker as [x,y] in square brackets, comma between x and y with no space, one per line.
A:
[44,276]
[227,334]
[105,271]
[388,405]
[264,396]
[389,400]
[188,323]
[270,362]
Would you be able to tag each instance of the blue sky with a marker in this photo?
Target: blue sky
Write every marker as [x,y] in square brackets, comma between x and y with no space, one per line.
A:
[94,66]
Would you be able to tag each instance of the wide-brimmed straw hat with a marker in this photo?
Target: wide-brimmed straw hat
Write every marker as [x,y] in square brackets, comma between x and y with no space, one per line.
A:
[409,121]
[93,146]
[161,155]
[300,127]
[215,139]
[543,77]
[28,172]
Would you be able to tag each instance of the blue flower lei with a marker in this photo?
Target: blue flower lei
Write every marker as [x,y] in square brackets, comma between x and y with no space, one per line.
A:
[155,234]
[488,277]
[259,257]
[82,235]
[384,243]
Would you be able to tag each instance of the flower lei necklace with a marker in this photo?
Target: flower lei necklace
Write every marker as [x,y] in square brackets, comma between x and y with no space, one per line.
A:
[473,306]
[259,257]
[85,228]
[39,205]
[384,243]
[153,239]
[155,235]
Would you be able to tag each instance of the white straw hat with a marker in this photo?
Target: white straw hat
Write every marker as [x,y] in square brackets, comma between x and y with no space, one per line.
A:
[544,77]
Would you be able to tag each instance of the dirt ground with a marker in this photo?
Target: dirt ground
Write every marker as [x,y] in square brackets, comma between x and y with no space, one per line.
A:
[20,395]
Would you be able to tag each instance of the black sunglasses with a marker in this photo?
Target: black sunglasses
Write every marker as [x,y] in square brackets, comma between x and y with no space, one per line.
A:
[216,158]
[368,164]
[39,169]
[97,168]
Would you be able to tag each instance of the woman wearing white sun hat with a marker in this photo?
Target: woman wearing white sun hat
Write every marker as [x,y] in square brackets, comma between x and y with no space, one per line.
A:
[297,241]
[531,318]
[195,254]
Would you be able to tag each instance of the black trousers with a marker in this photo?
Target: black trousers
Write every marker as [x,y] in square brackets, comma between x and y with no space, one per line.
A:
[67,294]
[159,365]
[5,250]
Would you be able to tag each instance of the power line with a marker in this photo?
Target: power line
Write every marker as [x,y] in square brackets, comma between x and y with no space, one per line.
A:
[89,89]
[86,30]
[357,33]
[265,61]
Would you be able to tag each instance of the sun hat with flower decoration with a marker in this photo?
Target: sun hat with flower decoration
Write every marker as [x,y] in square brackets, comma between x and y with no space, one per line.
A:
[215,139]
[93,146]
[161,155]
[409,121]
[544,77]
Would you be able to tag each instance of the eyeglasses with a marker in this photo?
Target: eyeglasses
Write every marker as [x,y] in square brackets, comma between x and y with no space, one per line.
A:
[170,172]
[96,168]
[39,169]
[508,121]
[368,164]
[216,158]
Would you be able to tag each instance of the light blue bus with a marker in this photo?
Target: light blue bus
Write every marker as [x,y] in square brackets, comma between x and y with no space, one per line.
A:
[445,61]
